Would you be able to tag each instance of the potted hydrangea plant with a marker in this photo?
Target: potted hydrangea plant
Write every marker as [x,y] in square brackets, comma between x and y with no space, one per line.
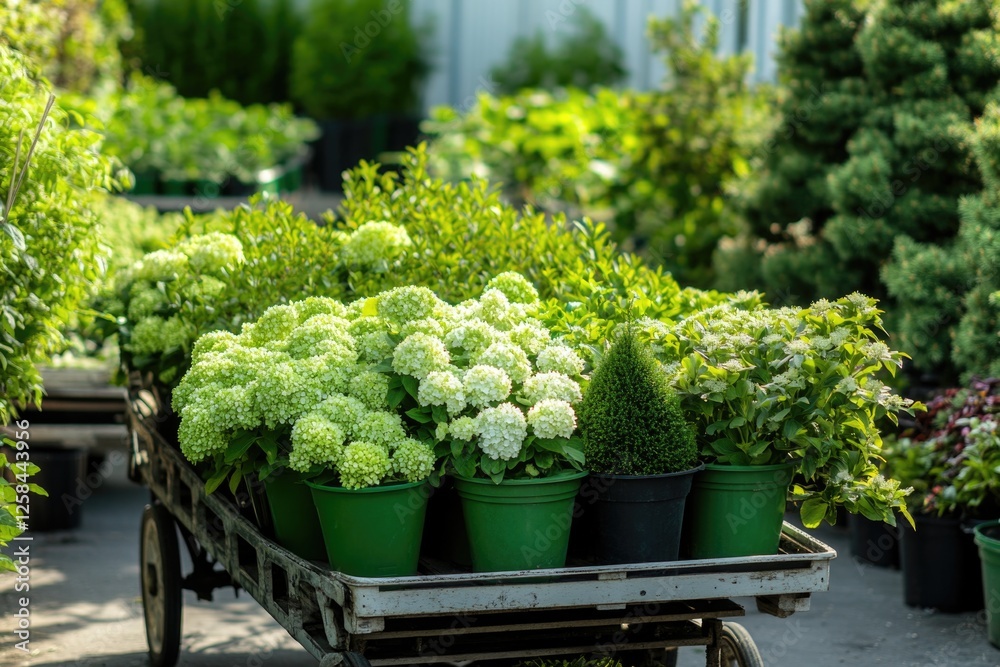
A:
[287,401]
[641,450]
[778,393]
[489,384]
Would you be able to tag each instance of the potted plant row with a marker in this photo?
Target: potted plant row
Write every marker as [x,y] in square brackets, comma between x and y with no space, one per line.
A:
[207,147]
[950,456]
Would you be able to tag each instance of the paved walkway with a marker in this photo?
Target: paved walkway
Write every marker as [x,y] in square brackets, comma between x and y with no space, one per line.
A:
[85,610]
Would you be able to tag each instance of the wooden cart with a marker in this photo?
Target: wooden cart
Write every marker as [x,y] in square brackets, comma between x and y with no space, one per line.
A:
[628,611]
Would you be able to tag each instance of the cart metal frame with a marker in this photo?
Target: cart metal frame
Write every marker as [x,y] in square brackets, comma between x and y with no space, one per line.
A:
[449,617]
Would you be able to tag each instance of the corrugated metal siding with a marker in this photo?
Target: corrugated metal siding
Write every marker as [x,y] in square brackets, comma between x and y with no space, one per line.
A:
[469,37]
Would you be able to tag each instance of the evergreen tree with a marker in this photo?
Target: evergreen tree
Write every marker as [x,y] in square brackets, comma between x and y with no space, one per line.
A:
[871,152]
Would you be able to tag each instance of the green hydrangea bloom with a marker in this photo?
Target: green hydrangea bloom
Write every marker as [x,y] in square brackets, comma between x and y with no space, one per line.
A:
[375,242]
[382,428]
[419,354]
[370,388]
[319,305]
[212,253]
[345,410]
[530,336]
[316,440]
[515,287]
[275,324]
[161,265]
[406,304]
[473,336]
[144,301]
[412,460]
[496,309]
[363,464]
[463,428]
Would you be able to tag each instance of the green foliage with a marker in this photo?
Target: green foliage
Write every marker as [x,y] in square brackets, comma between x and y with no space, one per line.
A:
[15,484]
[130,230]
[631,418]
[50,256]
[871,159]
[240,49]
[766,386]
[656,165]
[153,130]
[73,43]
[171,298]
[945,290]
[356,58]
[951,455]
[584,58]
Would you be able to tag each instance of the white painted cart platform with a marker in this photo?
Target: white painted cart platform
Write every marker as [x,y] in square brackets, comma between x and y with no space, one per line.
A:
[633,612]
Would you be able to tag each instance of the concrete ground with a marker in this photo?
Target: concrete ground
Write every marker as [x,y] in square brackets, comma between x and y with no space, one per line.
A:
[85,610]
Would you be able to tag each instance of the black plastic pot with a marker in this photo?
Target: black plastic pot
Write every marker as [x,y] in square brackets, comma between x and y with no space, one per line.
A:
[345,143]
[874,542]
[61,472]
[941,568]
[638,519]
[404,131]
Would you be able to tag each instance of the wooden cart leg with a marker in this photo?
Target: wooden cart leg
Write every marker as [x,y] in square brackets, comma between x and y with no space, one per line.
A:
[713,652]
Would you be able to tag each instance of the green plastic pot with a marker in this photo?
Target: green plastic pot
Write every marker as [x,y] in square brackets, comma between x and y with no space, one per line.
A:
[519,524]
[293,515]
[372,532]
[737,510]
[987,536]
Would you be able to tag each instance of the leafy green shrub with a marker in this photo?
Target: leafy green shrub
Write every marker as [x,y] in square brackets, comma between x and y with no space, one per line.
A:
[356,59]
[585,57]
[394,230]
[49,249]
[945,291]
[240,49]
[655,166]
[73,43]
[155,131]
[631,419]
[871,152]
[800,385]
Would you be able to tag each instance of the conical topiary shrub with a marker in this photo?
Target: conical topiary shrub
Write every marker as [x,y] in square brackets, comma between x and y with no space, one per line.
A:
[642,456]
[631,419]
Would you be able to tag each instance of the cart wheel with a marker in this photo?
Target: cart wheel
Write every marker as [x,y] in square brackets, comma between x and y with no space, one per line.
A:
[160,572]
[738,647]
[351,659]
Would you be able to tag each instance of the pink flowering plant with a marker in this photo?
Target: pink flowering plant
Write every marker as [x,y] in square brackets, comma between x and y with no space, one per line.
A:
[800,385]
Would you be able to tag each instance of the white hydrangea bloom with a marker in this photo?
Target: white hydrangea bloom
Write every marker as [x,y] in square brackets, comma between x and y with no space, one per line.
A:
[552,419]
[551,385]
[344,410]
[472,336]
[485,385]
[161,265]
[530,336]
[559,359]
[211,253]
[442,388]
[508,357]
[501,431]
